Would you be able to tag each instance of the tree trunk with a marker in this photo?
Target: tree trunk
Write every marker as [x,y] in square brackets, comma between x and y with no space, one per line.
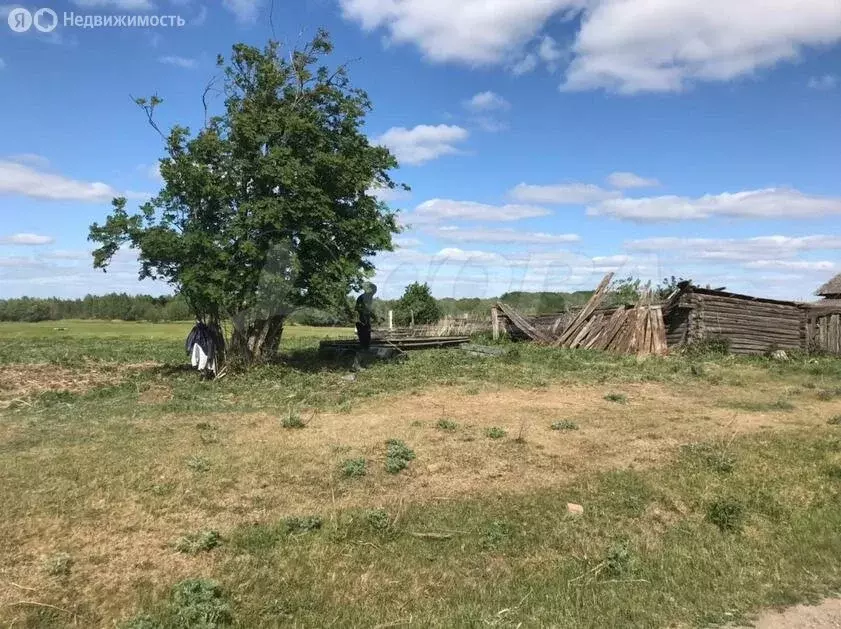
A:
[256,341]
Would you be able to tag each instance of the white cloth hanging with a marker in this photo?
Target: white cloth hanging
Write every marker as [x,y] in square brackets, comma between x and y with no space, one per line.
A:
[198,358]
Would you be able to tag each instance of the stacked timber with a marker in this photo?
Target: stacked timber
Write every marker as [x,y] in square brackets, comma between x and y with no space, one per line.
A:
[635,330]
[404,343]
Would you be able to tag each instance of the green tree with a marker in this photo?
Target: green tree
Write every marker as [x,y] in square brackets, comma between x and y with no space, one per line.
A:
[266,209]
[418,304]
[627,290]
[668,286]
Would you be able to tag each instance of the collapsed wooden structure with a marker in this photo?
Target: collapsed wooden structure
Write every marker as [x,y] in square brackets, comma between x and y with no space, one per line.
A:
[690,315]
[747,324]
[638,329]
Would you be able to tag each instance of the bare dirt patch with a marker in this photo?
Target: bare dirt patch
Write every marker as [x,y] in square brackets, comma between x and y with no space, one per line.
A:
[826,615]
[21,381]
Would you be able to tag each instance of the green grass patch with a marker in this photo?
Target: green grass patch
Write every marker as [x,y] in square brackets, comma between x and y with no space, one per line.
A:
[564,424]
[293,420]
[762,407]
[447,424]
[397,456]
[711,455]
[495,432]
[618,398]
[728,514]
[353,468]
[195,543]
[58,565]
[198,464]
[835,420]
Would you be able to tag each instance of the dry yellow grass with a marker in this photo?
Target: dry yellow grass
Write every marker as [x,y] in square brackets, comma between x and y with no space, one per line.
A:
[115,500]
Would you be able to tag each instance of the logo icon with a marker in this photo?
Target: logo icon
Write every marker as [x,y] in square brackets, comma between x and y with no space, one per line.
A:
[20,20]
[45,20]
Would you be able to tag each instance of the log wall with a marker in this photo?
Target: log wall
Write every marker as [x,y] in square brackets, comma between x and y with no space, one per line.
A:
[751,326]
[677,327]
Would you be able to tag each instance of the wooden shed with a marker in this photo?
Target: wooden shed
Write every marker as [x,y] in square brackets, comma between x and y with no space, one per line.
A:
[823,319]
[751,325]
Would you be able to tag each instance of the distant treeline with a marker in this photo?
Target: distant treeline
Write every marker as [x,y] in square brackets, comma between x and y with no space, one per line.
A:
[113,306]
[120,306]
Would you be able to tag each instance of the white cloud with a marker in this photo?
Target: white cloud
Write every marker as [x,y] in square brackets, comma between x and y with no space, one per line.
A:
[407,243]
[475,32]
[20,179]
[153,172]
[38,161]
[767,203]
[796,265]
[484,106]
[825,82]
[389,194]
[422,143]
[651,45]
[120,5]
[561,194]
[489,124]
[69,254]
[445,209]
[504,236]
[737,249]
[550,53]
[525,65]
[26,239]
[454,271]
[70,274]
[487,101]
[200,18]
[624,180]
[179,62]
[245,10]
[622,45]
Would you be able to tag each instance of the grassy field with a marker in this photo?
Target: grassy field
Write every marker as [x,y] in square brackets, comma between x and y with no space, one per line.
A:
[425,492]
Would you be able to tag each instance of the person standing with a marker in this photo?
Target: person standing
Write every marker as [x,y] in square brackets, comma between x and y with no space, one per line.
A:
[365,315]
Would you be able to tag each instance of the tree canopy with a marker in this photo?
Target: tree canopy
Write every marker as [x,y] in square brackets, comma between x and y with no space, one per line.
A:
[267,208]
[417,305]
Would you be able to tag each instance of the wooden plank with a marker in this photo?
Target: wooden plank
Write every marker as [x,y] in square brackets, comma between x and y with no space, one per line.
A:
[591,329]
[519,322]
[495,322]
[662,346]
[646,340]
[594,337]
[588,309]
[612,328]
[626,334]
[582,334]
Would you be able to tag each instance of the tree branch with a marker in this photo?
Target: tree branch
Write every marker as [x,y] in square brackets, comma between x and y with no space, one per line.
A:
[149,109]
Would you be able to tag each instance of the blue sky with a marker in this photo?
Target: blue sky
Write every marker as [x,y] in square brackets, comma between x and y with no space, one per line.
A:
[546,142]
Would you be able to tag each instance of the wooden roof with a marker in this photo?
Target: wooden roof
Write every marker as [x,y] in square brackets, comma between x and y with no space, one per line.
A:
[832,287]
[689,287]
